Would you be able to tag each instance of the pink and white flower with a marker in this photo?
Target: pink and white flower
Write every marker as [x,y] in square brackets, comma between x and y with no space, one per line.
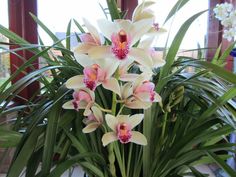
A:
[139,94]
[82,99]
[122,126]
[96,74]
[124,35]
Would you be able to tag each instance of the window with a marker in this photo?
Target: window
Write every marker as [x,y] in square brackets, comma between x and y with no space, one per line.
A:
[4,57]
[56,15]
[196,34]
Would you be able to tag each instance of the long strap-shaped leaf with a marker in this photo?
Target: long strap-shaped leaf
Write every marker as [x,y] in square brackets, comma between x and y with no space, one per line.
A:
[113,9]
[25,153]
[62,167]
[40,23]
[51,133]
[170,57]
[221,163]
[176,8]
[212,109]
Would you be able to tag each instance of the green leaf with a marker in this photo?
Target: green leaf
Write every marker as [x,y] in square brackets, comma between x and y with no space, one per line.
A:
[225,54]
[79,26]
[62,167]
[25,153]
[219,71]
[68,35]
[196,173]
[165,70]
[231,93]
[176,8]
[113,9]
[9,138]
[45,28]
[221,163]
[93,169]
[51,133]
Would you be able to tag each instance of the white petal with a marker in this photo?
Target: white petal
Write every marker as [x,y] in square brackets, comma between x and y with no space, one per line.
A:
[138,138]
[83,59]
[100,52]
[83,48]
[68,105]
[140,79]
[97,113]
[141,56]
[157,98]
[90,127]
[137,104]
[126,90]
[128,77]
[138,11]
[134,120]
[75,82]
[87,110]
[108,138]
[146,42]
[107,28]
[156,33]
[125,25]
[111,121]
[158,62]
[143,96]
[139,29]
[111,68]
[123,118]
[83,104]
[112,84]
[92,30]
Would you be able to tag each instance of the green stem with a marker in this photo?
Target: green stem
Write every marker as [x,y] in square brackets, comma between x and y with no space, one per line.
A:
[121,109]
[164,127]
[111,147]
[102,109]
[113,109]
[111,159]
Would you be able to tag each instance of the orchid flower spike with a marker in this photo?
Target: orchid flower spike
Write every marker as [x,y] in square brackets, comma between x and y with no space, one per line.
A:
[82,99]
[122,126]
[123,35]
[93,121]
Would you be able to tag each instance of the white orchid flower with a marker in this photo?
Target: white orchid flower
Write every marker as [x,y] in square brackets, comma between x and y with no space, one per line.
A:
[96,74]
[124,35]
[122,126]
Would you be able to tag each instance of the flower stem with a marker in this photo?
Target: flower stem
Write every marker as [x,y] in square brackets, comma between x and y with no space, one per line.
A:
[102,109]
[164,127]
[111,159]
[111,147]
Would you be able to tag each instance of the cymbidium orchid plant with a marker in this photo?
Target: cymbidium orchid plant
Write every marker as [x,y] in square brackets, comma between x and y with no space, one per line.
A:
[117,108]
[106,55]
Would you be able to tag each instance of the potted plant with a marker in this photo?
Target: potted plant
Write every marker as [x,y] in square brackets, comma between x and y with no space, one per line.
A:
[116,109]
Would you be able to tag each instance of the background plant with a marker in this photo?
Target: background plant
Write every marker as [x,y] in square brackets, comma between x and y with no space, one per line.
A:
[189,128]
